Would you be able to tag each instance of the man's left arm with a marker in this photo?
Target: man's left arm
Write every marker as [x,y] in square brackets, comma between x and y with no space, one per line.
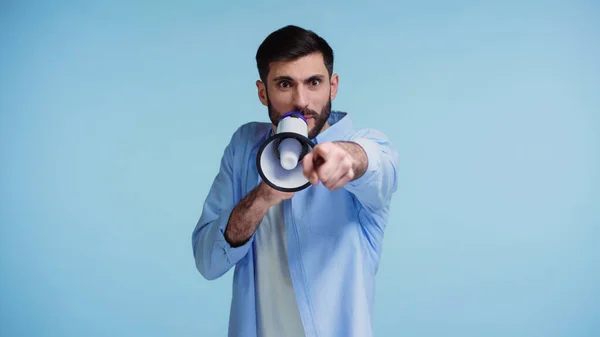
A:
[366,165]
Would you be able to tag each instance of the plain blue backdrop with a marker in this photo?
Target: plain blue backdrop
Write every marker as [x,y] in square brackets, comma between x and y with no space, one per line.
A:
[114,116]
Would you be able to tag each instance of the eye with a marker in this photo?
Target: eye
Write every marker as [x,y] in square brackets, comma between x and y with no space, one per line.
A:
[284,84]
[315,82]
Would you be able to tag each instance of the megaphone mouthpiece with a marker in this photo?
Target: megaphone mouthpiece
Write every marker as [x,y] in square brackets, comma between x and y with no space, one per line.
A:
[293,122]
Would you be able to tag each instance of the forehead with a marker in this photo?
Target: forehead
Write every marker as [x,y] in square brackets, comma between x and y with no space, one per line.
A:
[300,68]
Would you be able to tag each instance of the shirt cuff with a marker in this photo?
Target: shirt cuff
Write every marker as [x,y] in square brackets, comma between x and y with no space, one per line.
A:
[372,150]
[233,254]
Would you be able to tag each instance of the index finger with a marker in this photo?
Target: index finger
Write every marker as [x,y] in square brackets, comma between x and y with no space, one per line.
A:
[323,150]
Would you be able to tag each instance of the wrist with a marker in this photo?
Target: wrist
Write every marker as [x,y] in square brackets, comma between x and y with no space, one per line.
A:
[262,198]
[359,157]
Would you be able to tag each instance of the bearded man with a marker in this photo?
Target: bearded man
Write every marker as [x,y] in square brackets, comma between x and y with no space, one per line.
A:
[304,262]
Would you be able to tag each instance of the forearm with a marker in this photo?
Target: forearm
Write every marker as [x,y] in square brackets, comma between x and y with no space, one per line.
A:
[245,218]
[221,239]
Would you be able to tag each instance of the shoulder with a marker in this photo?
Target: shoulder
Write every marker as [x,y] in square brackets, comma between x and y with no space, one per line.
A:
[247,136]
[350,131]
[371,134]
[250,132]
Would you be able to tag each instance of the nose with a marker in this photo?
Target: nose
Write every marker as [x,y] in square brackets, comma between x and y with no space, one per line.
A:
[300,97]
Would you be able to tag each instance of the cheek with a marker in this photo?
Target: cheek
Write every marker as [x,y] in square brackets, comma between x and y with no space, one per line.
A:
[282,106]
[320,99]
[280,100]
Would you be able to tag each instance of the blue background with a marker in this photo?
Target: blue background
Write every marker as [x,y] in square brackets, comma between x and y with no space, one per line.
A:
[114,116]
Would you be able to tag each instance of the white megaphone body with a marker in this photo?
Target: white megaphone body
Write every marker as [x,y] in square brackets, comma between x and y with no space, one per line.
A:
[279,159]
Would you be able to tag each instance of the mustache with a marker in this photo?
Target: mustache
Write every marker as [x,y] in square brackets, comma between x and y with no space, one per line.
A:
[308,113]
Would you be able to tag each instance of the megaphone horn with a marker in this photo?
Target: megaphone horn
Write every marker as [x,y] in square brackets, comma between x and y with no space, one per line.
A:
[279,157]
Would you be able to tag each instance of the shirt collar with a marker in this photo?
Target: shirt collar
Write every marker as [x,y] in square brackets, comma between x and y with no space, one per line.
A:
[339,124]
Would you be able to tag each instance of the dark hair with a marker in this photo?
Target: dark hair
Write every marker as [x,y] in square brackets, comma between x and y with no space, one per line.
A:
[289,43]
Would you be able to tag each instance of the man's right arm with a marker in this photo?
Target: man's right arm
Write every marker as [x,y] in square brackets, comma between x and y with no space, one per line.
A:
[213,254]
[225,230]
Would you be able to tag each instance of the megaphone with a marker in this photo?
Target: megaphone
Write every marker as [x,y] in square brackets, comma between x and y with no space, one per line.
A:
[279,159]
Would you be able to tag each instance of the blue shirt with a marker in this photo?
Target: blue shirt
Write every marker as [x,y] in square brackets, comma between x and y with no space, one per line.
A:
[334,238]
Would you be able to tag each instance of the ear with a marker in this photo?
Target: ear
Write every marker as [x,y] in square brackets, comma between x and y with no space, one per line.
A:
[334,85]
[262,92]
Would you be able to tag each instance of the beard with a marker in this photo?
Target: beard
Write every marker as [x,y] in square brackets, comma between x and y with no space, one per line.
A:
[319,118]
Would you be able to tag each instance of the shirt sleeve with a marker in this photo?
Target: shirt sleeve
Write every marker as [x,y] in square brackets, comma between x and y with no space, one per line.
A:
[213,255]
[375,187]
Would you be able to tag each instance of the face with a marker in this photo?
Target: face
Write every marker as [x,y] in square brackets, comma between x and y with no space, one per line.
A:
[303,85]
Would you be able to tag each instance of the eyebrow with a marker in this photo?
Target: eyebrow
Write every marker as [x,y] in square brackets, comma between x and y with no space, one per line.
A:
[287,78]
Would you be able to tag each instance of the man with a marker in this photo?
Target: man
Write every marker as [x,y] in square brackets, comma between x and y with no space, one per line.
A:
[305,262]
